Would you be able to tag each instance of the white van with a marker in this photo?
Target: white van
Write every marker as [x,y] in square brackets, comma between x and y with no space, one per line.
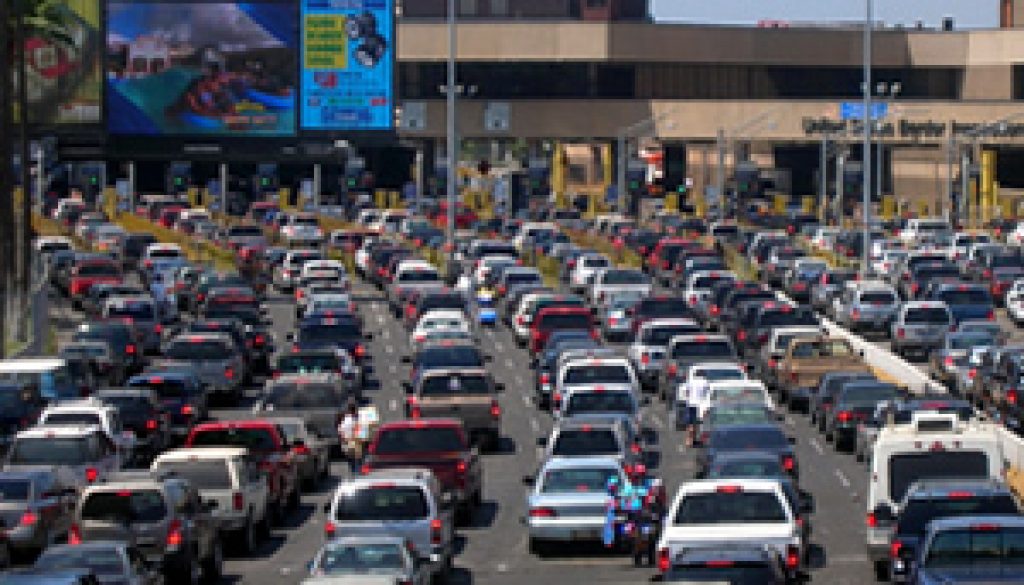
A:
[932,446]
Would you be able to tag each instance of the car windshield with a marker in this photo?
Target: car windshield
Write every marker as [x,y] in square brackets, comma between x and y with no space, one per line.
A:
[50,451]
[970,296]
[578,479]
[124,506]
[355,559]
[338,331]
[455,385]
[918,512]
[382,502]
[304,395]
[970,340]
[104,562]
[927,315]
[565,321]
[877,297]
[597,374]
[600,402]
[906,468]
[451,357]
[257,439]
[586,441]
[752,438]
[614,277]
[730,505]
[419,440]
[662,334]
[198,350]
[757,468]
[202,474]
[983,545]
[14,490]
[703,349]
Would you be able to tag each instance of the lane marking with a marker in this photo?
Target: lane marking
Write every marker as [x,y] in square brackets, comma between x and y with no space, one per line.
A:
[520,382]
[790,421]
[842,479]
[510,364]
[534,425]
[390,349]
[386,334]
[657,421]
[526,399]
[817,446]
[393,369]
[380,319]
[392,405]
[498,346]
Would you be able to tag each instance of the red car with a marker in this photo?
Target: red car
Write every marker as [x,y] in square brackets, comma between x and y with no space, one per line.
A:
[92,271]
[169,216]
[267,445]
[559,319]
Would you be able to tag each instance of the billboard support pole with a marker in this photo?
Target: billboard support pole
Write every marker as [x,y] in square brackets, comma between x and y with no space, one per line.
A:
[131,186]
[453,149]
[823,182]
[840,171]
[317,183]
[418,176]
[224,188]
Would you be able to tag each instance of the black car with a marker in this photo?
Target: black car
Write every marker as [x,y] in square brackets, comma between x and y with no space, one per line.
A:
[179,394]
[343,332]
[855,402]
[142,413]
[20,404]
[765,437]
[824,396]
[121,338]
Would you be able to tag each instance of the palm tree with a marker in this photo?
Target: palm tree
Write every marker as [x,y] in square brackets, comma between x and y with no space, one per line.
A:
[45,19]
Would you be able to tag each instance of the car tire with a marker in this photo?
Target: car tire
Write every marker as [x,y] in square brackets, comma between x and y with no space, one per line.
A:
[294,500]
[247,537]
[213,566]
[881,571]
[538,548]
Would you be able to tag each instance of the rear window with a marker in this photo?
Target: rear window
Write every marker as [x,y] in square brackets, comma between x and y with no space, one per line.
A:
[982,547]
[70,419]
[50,451]
[614,277]
[966,297]
[165,389]
[873,393]
[918,512]
[14,490]
[522,277]
[933,315]
[662,308]
[748,439]
[600,402]
[382,503]
[703,282]
[436,439]
[737,507]
[597,374]
[165,253]
[307,364]
[454,385]
[203,475]
[708,349]
[198,350]
[576,480]
[565,321]
[133,310]
[822,349]
[576,442]
[255,439]
[97,270]
[245,230]
[452,357]
[724,571]
[299,395]
[418,276]
[906,468]
[131,506]
[787,318]
[662,335]
[341,329]
[442,302]
[877,297]
[758,468]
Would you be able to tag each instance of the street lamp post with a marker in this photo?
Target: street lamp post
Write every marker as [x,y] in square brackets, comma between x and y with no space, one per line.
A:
[887,91]
[868,123]
[453,155]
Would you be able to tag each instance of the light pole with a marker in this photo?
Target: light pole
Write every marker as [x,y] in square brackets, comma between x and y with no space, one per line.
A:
[868,123]
[453,155]
[885,90]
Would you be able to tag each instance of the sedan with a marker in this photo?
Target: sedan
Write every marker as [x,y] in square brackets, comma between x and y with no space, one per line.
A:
[366,559]
[111,562]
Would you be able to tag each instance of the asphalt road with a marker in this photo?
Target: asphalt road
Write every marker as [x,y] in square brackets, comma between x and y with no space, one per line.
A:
[493,549]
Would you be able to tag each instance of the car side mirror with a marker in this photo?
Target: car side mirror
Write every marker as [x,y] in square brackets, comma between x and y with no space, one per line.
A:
[488,358]
[806,502]
[542,441]
[368,336]
[645,401]
[290,336]
[499,387]
[407,386]
[884,515]
[327,506]
[210,505]
[791,440]
[406,359]
[528,480]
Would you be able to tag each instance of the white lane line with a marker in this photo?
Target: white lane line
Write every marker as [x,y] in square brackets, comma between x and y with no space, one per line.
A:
[657,421]
[534,425]
[682,448]
[498,346]
[390,349]
[790,421]
[520,382]
[510,364]
[526,400]
[386,334]
[380,319]
[817,446]
[842,479]
[393,369]
[392,405]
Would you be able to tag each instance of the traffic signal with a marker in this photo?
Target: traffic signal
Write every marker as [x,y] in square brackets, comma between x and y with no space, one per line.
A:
[266,179]
[91,180]
[179,178]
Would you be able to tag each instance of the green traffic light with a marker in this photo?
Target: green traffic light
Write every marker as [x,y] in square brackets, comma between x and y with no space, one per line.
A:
[94,180]
[634,185]
[179,181]
[265,181]
[681,189]
[351,182]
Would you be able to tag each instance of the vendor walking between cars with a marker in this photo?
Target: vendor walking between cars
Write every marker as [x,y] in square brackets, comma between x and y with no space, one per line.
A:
[352,436]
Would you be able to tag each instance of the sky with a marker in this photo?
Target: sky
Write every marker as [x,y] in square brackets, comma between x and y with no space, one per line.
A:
[967,13]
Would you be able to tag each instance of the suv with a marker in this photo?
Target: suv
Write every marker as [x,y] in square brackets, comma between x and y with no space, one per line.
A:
[920,326]
[180,393]
[141,413]
[81,454]
[686,350]
[469,394]
[867,306]
[230,483]
[397,502]
[214,357]
[647,352]
[89,412]
[161,513]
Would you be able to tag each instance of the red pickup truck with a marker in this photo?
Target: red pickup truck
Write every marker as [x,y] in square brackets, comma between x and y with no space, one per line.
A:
[440,445]
[90,271]
[267,444]
[559,319]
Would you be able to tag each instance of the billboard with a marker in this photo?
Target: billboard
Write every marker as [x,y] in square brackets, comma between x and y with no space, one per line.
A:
[208,69]
[348,54]
[64,74]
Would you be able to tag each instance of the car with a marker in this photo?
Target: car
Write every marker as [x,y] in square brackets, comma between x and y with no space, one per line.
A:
[552,319]
[317,398]
[920,327]
[853,404]
[36,507]
[124,342]
[650,344]
[468,394]
[230,484]
[440,319]
[142,414]
[966,301]
[110,561]
[686,350]
[595,435]
[866,307]
[163,514]
[568,500]
[351,559]
[143,314]
[214,357]
[180,393]
[725,564]
[107,366]
[945,362]
[981,547]
[404,503]
[441,445]
[745,438]
[81,455]
[90,411]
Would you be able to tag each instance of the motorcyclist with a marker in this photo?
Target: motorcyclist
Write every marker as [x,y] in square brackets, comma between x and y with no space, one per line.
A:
[635,513]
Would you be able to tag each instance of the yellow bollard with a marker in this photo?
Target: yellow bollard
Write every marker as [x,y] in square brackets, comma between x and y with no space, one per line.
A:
[888,207]
[672,202]
[779,203]
[380,198]
[809,204]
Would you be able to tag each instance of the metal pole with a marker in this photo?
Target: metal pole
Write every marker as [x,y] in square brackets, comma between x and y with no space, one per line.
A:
[317,186]
[868,123]
[840,169]
[823,182]
[418,176]
[620,180]
[953,209]
[224,188]
[965,185]
[131,186]
[720,175]
[453,149]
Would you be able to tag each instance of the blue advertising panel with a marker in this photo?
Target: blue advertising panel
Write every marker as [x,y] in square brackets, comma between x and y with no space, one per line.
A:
[201,68]
[347,65]
[855,110]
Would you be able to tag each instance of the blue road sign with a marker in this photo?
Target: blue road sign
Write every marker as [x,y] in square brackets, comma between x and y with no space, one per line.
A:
[855,110]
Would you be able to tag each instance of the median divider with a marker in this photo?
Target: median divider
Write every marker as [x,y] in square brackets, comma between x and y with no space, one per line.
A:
[197,250]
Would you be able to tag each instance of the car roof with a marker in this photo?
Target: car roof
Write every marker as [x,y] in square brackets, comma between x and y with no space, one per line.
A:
[955,522]
[932,488]
[31,365]
[557,462]
[61,431]
[201,453]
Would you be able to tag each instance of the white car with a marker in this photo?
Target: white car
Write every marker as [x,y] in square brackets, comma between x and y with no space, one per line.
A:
[703,375]
[734,392]
[288,272]
[700,284]
[584,270]
[1016,237]
[90,412]
[1015,302]
[962,241]
[485,265]
[612,281]
[824,237]
[440,320]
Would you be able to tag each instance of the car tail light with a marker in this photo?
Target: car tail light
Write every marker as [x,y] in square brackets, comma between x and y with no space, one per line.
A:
[872,520]
[229,373]
[174,537]
[895,548]
[672,370]
[788,463]
[29,518]
[130,349]
[237,501]
[360,351]
[201,297]
[773,363]
[260,339]
[664,264]
[1011,396]
[461,467]
[645,359]
[762,338]
[741,335]
[158,329]
[495,409]
[543,513]
[595,335]
[415,411]
[948,362]
[330,529]
[301,450]
[986,273]
[74,535]
[557,400]
[91,474]
[844,416]
[855,313]
[792,557]
[664,561]
[991,316]
[715,311]
[187,410]
[971,373]
[901,333]
[545,378]
[435,531]
[151,424]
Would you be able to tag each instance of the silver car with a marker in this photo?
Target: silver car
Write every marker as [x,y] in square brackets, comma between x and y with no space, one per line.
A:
[568,500]
[615,315]
[35,508]
[867,306]
[213,357]
[919,327]
[365,560]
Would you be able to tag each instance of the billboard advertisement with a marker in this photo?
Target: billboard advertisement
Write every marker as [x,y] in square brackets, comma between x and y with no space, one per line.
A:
[348,54]
[64,72]
[208,69]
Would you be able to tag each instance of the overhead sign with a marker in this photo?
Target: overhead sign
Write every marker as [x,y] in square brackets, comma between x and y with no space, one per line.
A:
[855,110]
[347,64]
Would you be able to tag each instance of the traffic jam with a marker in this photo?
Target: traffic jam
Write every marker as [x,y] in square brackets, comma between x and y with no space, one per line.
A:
[542,398]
